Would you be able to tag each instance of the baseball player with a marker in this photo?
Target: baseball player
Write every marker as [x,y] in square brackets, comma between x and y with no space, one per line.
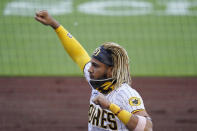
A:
[114,105]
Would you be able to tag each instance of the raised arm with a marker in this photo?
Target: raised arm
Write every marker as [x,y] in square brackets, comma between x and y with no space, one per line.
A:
[71,45]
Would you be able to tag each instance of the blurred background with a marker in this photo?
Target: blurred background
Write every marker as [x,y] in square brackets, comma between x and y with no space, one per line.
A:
[41,88]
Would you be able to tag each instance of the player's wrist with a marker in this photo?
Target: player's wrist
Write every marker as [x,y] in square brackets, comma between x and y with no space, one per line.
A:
[54,24]
[108,105]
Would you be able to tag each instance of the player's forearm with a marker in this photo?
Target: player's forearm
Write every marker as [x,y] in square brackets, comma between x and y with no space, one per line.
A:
[133,122]
[73,47]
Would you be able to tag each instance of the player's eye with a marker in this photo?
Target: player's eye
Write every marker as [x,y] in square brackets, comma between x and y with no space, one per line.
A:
[94,64]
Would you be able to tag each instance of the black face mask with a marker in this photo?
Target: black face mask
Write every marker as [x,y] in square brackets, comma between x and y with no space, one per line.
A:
[104,85]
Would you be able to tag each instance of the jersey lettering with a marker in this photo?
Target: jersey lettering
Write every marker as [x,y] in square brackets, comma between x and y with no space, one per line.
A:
[111,118]
[91,112]
[102,118]
[96,118]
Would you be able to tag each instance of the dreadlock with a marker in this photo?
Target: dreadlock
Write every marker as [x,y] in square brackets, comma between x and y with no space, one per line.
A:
[120,70]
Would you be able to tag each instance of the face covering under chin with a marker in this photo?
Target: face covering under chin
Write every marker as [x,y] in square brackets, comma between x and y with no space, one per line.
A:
[104,85]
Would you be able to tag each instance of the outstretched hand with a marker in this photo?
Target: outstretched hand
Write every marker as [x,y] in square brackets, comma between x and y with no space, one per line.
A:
[102,101]
[45,18]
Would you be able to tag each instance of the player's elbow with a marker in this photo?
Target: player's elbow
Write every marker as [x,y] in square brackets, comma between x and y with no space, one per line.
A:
[143,124]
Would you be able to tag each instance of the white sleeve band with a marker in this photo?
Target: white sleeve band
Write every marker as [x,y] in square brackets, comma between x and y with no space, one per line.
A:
[141,123]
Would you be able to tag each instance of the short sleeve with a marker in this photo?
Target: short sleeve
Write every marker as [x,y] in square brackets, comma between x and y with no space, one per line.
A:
[129,99]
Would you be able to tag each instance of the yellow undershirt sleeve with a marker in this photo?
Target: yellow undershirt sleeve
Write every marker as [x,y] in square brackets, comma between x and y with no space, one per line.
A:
[122,115]
[73,47]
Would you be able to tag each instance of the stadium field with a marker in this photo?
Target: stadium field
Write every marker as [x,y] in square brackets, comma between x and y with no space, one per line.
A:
[160,36]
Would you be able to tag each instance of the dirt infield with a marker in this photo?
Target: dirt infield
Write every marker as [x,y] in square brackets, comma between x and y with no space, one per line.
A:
[61,103]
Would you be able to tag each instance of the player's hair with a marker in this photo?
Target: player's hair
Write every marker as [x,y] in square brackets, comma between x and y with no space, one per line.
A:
[120,70]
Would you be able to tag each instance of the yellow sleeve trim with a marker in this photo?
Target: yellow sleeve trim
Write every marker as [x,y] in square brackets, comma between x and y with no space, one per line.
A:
[73,47]
[135,111]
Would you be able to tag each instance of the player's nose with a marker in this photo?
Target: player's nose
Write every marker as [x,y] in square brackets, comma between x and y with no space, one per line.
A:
[90,70]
